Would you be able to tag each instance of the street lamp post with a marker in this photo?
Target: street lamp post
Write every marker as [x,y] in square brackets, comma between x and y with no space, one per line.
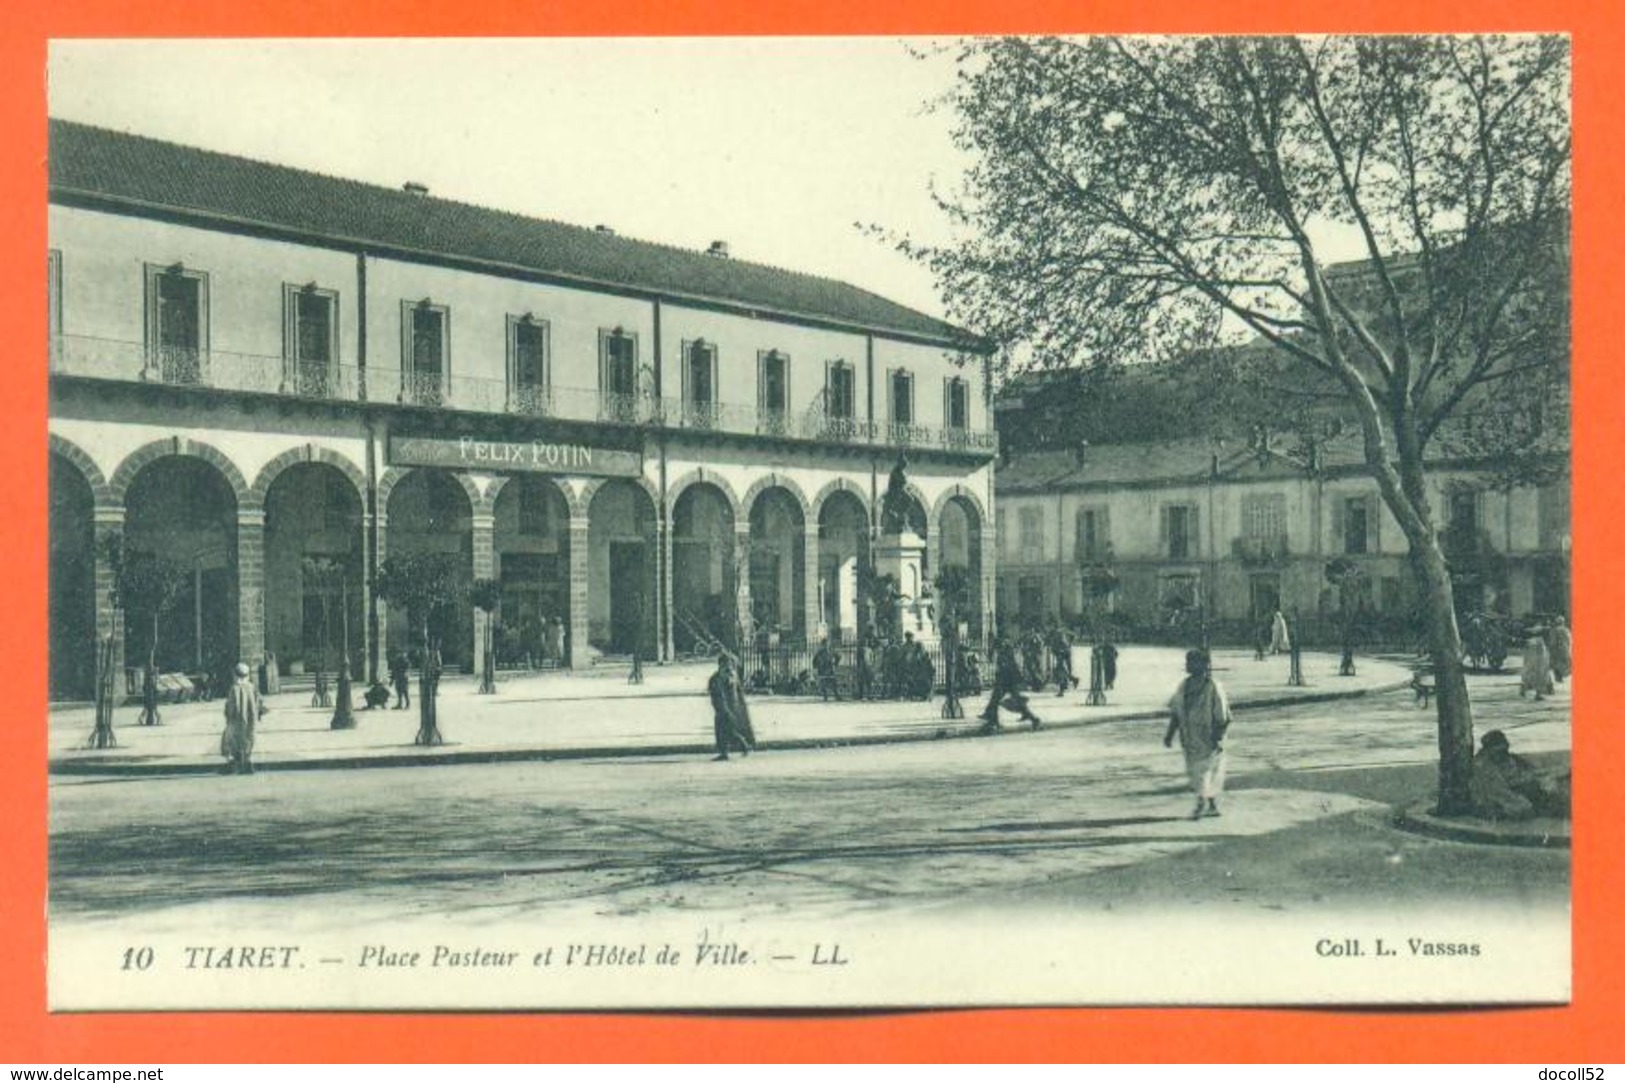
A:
[343,711]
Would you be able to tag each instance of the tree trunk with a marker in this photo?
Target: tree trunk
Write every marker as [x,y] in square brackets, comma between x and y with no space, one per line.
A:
[428,726]
[1455,709]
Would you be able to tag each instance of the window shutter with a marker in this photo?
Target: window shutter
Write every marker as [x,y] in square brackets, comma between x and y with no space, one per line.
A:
[947,401]
[406,343]
[1373,519]
[891,396]
[1339,540]
[1103,531]
[829,388]
[1196,534]
[1164,541]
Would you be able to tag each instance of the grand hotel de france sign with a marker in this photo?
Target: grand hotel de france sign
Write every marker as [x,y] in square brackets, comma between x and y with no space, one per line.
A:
[530,456]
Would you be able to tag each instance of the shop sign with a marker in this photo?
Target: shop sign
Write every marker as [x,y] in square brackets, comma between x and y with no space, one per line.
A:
[530,456]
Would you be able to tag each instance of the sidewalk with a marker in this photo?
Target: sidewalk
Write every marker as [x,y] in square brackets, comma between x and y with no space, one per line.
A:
[564,715]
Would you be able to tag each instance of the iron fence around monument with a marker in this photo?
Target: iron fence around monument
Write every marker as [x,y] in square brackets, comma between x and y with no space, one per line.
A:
[787,669]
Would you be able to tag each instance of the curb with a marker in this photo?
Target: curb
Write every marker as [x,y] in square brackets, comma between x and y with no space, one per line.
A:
[951,730]
[1417,819]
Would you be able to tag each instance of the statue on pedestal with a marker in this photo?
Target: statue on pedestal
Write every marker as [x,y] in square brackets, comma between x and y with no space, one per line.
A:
[895,503]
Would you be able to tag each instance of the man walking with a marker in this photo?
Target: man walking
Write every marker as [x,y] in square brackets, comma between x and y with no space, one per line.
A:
[243,710]
[1200,715]
[1060,649]
[1007,690]
[730,716]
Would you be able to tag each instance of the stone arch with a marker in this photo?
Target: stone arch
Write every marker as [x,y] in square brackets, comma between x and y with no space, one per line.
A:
[307,453]
[183,446]
[775,481]
[840,485]
[958,492]
[590,490]
[101,495]
[571,501]
[397,474]
[700,477]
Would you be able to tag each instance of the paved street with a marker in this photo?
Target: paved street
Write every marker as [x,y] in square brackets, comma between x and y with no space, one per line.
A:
[1077,818]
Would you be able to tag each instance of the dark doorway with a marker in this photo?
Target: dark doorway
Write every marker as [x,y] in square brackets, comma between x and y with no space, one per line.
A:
[627,572]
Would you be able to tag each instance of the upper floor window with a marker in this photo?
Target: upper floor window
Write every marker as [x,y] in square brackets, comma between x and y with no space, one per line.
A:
[1179,537]
[527,364]
[309,339]
[699,383]
[773,390]
[956,403]
[618,375]
[900,392]
[840,391]
[177,322]
[426,352]
[1463,511]
[1032,535]
[1093,534]
[1263,516]
[1356,525]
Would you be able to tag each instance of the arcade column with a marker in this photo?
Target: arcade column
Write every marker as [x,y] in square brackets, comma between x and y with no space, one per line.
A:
[485,563]
[811,604]
[580,541]
[742,580]
[251,584]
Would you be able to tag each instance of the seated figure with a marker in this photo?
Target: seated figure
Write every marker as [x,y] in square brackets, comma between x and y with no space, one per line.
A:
[1505,786]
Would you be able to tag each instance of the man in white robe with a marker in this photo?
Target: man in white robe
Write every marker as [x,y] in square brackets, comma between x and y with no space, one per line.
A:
[243,710]
[1200,714]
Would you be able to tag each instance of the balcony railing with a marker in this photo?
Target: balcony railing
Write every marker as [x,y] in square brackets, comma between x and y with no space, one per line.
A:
[1262,551]
[108,359]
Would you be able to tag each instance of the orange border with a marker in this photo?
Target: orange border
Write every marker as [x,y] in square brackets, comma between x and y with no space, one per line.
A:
[1585,1031]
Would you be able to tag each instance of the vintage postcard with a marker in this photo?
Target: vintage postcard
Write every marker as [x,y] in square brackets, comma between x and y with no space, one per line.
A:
[808,523]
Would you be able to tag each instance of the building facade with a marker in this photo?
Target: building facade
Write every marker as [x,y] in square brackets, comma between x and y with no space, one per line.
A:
[280,380]
[1190,527]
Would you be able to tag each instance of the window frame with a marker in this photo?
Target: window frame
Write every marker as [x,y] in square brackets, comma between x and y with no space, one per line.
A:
[626,408]
[699,413]
[410,391]
[952,385]
[517,398]
[293,375]
[1030,543]
[769,420]
[158,364]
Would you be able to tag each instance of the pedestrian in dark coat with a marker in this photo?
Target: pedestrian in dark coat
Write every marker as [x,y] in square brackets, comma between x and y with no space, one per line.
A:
[1108,663]
[1060,649]
[866,670]
[1007,690]
[730,715]
[824,671]
[401,679]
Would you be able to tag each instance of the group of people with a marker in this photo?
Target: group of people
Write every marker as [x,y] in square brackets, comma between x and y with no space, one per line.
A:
[886,668]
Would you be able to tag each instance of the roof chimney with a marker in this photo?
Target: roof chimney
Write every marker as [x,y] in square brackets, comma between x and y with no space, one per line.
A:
[718,249]
[606,230]
[415,188]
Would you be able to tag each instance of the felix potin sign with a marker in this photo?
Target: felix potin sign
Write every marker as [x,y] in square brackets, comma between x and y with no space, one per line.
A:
[537,456]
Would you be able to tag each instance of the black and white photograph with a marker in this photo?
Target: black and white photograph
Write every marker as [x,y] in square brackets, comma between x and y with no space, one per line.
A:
[809,523]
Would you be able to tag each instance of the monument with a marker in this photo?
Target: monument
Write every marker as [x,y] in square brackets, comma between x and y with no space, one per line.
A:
[900,554]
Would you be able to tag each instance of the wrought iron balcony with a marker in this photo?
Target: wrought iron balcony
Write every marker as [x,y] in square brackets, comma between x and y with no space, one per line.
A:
[109,359]
[1263,551]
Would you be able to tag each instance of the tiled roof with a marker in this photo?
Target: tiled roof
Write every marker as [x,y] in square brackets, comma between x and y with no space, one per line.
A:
[1169,462]
[97,163]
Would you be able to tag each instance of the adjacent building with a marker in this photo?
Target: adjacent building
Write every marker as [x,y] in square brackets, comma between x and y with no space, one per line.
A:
[1232,532]
[258,371]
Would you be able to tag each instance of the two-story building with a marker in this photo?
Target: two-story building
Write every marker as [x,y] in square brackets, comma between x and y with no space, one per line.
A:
[645,446]
[1238,533]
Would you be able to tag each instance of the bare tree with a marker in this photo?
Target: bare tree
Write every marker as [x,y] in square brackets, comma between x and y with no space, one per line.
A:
[1134,199]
